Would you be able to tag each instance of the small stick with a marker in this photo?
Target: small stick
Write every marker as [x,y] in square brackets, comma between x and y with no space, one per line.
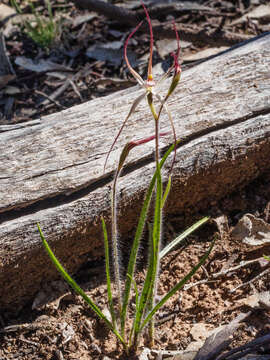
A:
[23,339]
[205,281]
[242,264]
[75,88]
[250,281]
[225,272]
[48,97]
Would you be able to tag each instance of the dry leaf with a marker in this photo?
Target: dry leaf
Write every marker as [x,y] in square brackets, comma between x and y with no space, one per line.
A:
[258,300]
[219,340]
[40,66]
[261,13]
[11,90]
[167,46]
[51,295]
[222,224]
[252,231]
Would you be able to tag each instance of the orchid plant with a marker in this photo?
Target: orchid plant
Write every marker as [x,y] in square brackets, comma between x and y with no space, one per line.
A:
[146,305]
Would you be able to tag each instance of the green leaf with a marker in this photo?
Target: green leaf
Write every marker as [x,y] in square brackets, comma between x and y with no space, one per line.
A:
[149,283]
[167,190]
[177,287]
[77,288]
[181,237]
[136,241]
[15,5]
[107,265]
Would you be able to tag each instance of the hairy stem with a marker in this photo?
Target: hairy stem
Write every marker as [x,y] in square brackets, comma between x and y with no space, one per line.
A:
[114,242]
[155,246]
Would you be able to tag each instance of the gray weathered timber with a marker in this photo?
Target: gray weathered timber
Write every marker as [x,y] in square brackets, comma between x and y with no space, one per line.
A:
[51,170]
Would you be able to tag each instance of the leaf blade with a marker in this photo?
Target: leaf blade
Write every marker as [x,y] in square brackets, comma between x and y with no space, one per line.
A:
[177,286]
[76,287]
[182,236]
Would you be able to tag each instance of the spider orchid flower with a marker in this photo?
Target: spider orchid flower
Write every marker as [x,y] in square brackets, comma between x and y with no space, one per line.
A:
[149,85]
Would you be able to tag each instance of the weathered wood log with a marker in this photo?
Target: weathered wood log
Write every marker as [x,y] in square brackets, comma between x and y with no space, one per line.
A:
[51,170]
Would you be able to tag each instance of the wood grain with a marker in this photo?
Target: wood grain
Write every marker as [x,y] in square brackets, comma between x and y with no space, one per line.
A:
[51,170]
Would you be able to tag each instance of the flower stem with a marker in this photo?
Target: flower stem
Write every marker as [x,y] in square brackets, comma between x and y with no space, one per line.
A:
[114,242]
[155,245]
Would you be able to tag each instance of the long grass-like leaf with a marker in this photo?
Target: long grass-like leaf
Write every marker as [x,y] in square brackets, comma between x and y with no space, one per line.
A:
[108,277]
[150,304]
[149,283]
[177,287]
[15,5]
[181,237]
[166,192]
[130,145]
[136,241]
[77,288]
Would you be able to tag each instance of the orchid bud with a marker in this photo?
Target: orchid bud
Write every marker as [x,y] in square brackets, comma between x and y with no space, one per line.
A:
[177,68]
[129,146]
[176,77]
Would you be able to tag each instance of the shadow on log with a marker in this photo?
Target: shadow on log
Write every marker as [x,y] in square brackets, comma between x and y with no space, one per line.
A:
[51,170]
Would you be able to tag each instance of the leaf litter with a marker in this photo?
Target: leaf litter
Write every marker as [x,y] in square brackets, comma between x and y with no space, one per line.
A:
[88,39]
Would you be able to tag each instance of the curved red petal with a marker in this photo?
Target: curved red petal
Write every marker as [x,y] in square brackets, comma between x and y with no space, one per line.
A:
[150,74]
[133,72]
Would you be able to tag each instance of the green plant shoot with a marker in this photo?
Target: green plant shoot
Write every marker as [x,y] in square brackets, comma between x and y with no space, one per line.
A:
[42,30]
[146,305]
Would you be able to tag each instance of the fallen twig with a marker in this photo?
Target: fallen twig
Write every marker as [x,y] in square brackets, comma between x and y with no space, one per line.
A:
[242,264]
[250,281]
[75,89]
[213,277]
[69,82]
[50,98]
[5,64]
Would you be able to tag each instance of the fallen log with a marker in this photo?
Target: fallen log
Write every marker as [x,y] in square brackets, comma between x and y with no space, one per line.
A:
[51,169]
